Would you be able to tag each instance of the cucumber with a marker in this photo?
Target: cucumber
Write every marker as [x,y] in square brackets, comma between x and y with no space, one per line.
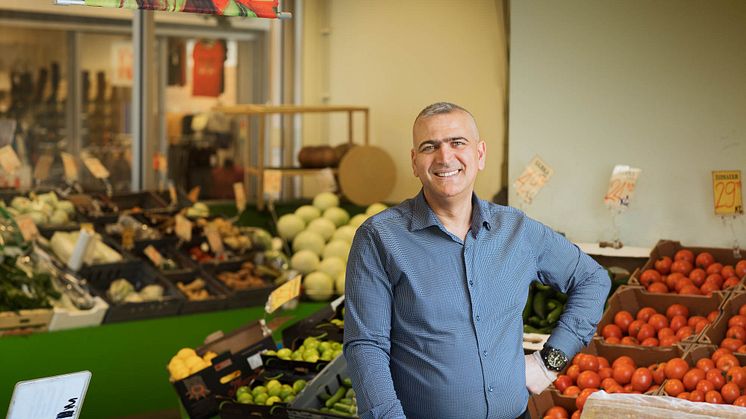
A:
[539,304]
[347,382]
[554,315]
[349,409]
[336,397]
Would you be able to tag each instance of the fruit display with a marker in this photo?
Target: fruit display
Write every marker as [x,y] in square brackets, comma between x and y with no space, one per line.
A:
[651,328]
[195,290]
[62,244]
[559,412]
[246,277]
[690,274]
[140,230]
[45,209]
[543,308]
[187,362]
[122,291]
[734,339]
[198,210]
[270,392]
[312,350]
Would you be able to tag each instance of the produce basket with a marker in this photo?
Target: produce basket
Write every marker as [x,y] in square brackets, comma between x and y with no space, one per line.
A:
[232,409]
[71,318]
[250,297]
[538,404]
[307,404]
[139,275]
[218,299]
[167,249]
[717,332]
[25,321]
[146,200]
[317,325]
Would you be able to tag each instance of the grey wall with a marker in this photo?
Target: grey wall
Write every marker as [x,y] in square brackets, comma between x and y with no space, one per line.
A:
[659,85]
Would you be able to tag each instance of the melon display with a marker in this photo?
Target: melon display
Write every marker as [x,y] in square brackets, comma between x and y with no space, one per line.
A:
[309,240]
[289,225]
[337,215]
[325,200]
[318,286]
[308,213]
[322,226]
[304,261]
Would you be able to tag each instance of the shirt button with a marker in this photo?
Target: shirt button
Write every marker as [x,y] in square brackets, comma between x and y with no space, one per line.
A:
[490,389]
[471,283]
[477,317]
[485,354]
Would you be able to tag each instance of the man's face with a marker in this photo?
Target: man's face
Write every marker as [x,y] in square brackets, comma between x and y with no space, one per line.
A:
[447,154]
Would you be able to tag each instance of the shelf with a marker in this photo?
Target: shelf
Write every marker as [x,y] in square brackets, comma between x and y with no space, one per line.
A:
[291,171]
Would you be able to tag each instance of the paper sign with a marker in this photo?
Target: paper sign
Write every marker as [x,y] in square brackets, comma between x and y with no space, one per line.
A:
[240,195]
[183,228]
[533,178]
[327,182]
[214,239]
[27,227]
[272,183]
[339,300]
[95,167]
[283,294]
[621,186]
[51,397]
[727,193]
[154,255]
[172,193]
[71,168]
[9,159]
[193,194]
[43,164]
[254,361]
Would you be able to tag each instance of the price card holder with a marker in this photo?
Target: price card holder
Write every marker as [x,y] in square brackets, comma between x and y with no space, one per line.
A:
[43,165]
[621,187]
[154,255]
[214,239]
[327,181]
[27,227]
[51,397]
[532,180]
[726,190]
[70,167]
[272,183]
[240,194]
[9,159]
[283,294]
[183,228]
[96,168]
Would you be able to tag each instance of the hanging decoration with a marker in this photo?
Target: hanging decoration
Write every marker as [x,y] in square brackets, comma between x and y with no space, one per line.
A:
[245,8]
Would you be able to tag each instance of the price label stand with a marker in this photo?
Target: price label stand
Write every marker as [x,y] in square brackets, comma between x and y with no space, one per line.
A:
[728,201]
[618,196]
[531,181]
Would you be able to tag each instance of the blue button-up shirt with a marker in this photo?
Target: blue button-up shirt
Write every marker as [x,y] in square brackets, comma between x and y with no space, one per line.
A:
[433,324]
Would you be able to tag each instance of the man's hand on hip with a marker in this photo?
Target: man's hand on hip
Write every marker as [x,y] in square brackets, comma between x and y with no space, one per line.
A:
[538,377]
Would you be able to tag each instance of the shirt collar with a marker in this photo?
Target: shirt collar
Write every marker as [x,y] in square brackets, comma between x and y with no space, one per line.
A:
[424,217]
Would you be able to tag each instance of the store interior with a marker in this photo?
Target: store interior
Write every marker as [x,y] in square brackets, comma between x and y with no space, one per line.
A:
[183,107]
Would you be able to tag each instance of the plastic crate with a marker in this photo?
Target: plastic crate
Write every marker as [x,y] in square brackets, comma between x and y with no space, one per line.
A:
[219,295]
[230,409]
[317,325]
[240,298]
[99,278]
[64,318]
[167,249]
[145,200]
[329,380]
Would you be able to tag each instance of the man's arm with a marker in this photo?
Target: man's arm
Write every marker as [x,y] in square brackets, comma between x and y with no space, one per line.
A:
[368,305]
[565,267]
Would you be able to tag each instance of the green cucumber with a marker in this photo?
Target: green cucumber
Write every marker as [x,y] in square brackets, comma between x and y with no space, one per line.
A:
[336,397]
[540,306]
[554,315]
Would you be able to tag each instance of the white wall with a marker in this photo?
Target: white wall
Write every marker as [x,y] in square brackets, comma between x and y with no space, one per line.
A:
[658,85]
[397,57]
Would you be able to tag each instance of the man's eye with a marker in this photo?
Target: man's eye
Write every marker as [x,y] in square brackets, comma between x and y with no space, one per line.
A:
[427,148]
[458,144]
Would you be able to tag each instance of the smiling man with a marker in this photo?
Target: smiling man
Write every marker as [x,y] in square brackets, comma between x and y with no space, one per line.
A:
[436,287]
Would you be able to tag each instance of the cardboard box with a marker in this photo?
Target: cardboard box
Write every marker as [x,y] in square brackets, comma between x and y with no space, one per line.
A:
[317,325]
[633,298]
[65,318]
[236,365]
[601,405]
[670,247]
[538,404]
[715,333]
[25,321]
[306,404]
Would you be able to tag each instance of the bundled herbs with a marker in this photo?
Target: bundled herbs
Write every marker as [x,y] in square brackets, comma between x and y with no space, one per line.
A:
[21,289]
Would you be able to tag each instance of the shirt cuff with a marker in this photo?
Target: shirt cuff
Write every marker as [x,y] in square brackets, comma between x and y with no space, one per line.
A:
[565,341]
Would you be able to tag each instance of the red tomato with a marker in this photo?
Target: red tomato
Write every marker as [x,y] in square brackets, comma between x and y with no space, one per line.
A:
[694,320]
[715,378]
[605,372]
[646,331]
[682,266]
[714,268]
[608,383]
[666,331]
[673,279]
[684,332]
[677,310]
[728,271]
[740,402]
[645,313]
[736,375]
[697,276]
[583,396]
[659,372]
[737,320]
[571,391]
[712,316]
[588,379]
[741,268]
[705,364]
[673,387]
[573,371]
[562,382]
[731,282]
[719,352]
[684,254]
[648,276]
[713,397]
[696,396]
[613,341]
[692,377]
[556,412]
[676,368]
[624,359]
[730,392]
[634,327]
[622,373]
[663,265]
[705,385]
[651,341]
[622,319]
[704,260]
[588,363]
[715,279]
[629,340]
[611,330]
[708,288]
[677,322]
[731,343]
[727,361]
[658,321]
[689,290]
[657,288]
[668,341]
[642,379]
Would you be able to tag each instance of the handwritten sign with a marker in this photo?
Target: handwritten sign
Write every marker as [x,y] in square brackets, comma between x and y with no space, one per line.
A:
[96,168]
[154,255]
[27,226]
[532,180]
[60,396]
[9,159]
[327,182]
[283,294]
[43,164]
[183,228]
[193,194]
[214,239]
[240,195]
[727,193]
[70,167]
[621,186]
[272,183]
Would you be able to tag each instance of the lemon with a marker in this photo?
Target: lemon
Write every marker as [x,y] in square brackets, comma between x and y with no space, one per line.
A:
[261,398]
[284,353]
[285,390]
[186,353]
[299,385]
[209,356]
[272,400]
[258,390]
[273,383]
[245,398]
[180,373]
[274,391]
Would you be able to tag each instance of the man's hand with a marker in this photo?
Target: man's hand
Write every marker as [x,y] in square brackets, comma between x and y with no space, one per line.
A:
[538,377]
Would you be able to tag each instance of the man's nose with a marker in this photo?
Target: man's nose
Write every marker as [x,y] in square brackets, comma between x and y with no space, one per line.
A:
[444,153]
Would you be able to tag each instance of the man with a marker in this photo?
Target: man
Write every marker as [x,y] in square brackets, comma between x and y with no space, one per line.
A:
[436,287]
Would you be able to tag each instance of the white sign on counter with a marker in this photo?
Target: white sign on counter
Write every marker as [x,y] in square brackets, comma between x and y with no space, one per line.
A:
[60,396]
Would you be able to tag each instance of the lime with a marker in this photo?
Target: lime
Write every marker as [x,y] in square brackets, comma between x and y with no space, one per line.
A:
[324,346]
[272,383]
[284,353]
[285,391]
[261,399]
[327,355]
[336,345]
[270,353]
[297,356]
[243,390]
[299,385]
[245,398]
[311,356]
[274,391]
[289,399]
[258,390]
[310,342]
[272,400]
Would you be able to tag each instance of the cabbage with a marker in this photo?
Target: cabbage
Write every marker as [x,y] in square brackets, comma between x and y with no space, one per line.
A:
[374,209]
[332,266]
[289,225]
[337,248]
[20,203]
[308,213]
[358,220]
[324,227]
[325,200]
[304,261]
[58,217]
[66,206]
[337,215]
[151,292]
[119,289]
[346,233]
[308,240]
[318,286]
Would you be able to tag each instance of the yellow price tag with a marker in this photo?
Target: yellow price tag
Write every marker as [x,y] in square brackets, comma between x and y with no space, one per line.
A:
[533,178]
[71,168]
[272,183]
[283,294]
[183,228]
[240,195]
[726,189]
[95,167]
[27,226]
[154,255]
[43,164]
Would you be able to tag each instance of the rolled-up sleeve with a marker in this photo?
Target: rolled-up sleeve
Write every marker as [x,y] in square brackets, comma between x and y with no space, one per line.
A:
[565,267]
[367,342]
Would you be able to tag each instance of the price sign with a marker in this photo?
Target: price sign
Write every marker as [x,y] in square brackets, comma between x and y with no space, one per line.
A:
[172,193]
[95,167]
[9,159]
[71,168]
[183,228]
[27,227]
[726,189]
[283,294]
[240,195]
[60,396]
[621,186]
[214,239]
[327,182]
[272,183]
[533,178]
[43,164]
[154,255]
[193,195]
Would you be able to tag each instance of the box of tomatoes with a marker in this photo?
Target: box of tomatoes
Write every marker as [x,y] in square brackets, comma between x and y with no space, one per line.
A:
[693,271]
[729,329]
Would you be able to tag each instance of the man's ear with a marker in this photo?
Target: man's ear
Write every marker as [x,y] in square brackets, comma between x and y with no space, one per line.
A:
[482,152]
[414,168]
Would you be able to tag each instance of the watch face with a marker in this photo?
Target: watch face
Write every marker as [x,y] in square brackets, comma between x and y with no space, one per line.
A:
[555,359]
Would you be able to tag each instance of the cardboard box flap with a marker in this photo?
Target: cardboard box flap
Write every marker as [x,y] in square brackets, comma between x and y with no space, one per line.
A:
[237,340]
[601,405]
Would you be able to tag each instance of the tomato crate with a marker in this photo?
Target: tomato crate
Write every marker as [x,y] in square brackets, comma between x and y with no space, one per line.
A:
[668,248]
[633,298]
[256,296]
[715,334]
[307,404]
[218,295]
[238,363]
[318,325]
[538,404]
[25,321]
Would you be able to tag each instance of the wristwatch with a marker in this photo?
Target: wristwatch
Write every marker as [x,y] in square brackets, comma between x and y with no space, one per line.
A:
[554,359]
